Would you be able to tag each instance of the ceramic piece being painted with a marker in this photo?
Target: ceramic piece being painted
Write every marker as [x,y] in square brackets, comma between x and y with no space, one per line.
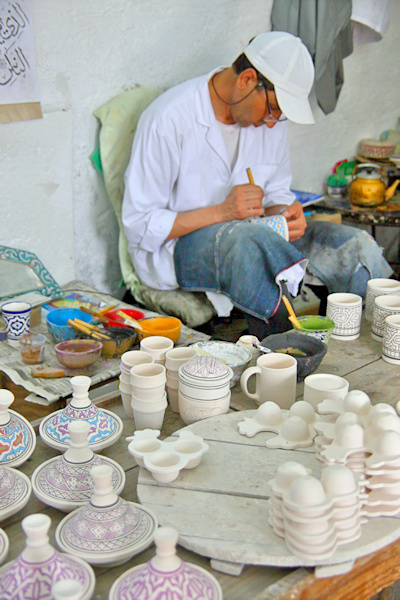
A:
[166,576]
[17,436]
[33,573]
[105,426]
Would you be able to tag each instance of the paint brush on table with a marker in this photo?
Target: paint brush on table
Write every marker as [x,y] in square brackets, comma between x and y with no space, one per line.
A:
[292,315]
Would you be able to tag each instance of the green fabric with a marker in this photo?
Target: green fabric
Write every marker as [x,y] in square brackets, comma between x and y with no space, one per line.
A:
[118,119]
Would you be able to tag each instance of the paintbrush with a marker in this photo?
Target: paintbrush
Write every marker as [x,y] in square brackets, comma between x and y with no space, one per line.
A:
[291,312]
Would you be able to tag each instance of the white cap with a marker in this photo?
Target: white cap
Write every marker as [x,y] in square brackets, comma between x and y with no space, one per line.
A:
[285,61]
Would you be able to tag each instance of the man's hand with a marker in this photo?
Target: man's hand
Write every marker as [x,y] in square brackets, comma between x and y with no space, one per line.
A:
[296,220]
[243,201]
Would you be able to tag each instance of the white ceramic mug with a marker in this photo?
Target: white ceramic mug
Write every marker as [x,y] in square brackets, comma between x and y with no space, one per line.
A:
[391,340]
[379,287]
[383,307]
[157,346]
[345,310]
[276,377]
[324,386]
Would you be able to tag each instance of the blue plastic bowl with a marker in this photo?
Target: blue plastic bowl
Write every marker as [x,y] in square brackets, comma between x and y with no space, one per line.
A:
[57,323]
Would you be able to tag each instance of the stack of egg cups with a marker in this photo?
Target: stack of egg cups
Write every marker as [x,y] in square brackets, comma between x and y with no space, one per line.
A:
[129,360]
[383,477]
[203,388]
[175,358]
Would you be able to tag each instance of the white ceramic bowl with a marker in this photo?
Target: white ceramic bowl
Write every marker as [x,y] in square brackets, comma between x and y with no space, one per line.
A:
[196,410]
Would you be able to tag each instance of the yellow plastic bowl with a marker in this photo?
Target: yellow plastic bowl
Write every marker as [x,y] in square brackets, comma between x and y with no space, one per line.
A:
[169,327]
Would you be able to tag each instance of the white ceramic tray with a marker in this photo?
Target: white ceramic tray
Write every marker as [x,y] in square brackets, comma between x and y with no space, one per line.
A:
[221,508]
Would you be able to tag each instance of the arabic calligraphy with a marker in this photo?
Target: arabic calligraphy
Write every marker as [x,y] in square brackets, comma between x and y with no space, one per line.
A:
[13,61]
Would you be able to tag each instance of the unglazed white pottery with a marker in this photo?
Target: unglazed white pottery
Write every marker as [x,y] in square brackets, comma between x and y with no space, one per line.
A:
[68,589]
[149,414]
[105,426]
[383,307]
[294,433]
[157,346]
[320,386]
[166,576]
[237,357]
[148,381]
[391,340]
[165,460]
[126,398]
[15,491]
[173,398]
[134,357]
[65,481]
[176,357]
[107,530]
[39,566]
[276,378]
[379,287]
[250,342]
[345,310]
[192,410]
[17,436]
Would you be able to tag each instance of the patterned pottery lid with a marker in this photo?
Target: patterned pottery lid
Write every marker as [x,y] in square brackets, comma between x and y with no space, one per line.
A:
[107,530]
[17,436]
[4,545]
[166,576]
[105,427]
[26,577]
[208,369]
[68,486]
[15,491]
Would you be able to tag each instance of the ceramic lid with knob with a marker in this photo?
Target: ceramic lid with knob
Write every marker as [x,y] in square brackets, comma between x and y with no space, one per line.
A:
[206,371]
[15,491]
[17,436]
[107,530]
[166,576]
[105,426]
[39,566]
[65,481]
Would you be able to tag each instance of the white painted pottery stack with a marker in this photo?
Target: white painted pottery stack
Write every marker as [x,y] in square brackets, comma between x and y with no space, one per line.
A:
[107,530]
[149,398]
[39,566]
[65,481]
[204,388]
[286,474]
[166,575]
[17,436]
[105,426]
[128,360]
[175,358]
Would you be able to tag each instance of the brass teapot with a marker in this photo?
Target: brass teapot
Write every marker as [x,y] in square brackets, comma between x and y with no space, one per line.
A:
[368,188]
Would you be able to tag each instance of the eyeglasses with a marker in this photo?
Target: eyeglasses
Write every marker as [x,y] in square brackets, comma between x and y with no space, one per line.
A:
[271,118]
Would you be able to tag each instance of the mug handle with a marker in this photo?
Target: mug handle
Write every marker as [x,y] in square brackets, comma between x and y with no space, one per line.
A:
[244,379]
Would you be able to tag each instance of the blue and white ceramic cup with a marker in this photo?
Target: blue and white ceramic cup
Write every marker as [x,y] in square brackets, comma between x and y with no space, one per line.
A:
[17,316]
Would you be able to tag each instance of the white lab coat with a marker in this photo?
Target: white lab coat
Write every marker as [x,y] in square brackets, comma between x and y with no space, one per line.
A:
[179,162]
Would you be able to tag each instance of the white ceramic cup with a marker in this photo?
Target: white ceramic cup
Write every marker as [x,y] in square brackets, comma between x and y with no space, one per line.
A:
[134,357]
[157,346]
[172,394]
[323,386]
[17,317]
[383,307]
[126,398]
[276,376]
[176,357]
[345,310]
[391,340]
[148,381]
[379,287]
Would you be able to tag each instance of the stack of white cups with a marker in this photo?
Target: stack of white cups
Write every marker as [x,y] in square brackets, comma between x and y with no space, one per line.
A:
[174,358]
[157,346]
[149,398]
[129,360]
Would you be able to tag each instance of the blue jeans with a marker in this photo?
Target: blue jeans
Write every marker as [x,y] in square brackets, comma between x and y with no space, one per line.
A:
[242,260]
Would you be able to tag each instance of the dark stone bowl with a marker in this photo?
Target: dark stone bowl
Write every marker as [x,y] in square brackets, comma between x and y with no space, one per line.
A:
[314,349]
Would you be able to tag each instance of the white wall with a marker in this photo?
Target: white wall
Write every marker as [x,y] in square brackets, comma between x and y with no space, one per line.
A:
[53,201]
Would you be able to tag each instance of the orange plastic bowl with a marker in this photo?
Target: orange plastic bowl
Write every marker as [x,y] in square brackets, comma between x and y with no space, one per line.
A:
[169,327]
